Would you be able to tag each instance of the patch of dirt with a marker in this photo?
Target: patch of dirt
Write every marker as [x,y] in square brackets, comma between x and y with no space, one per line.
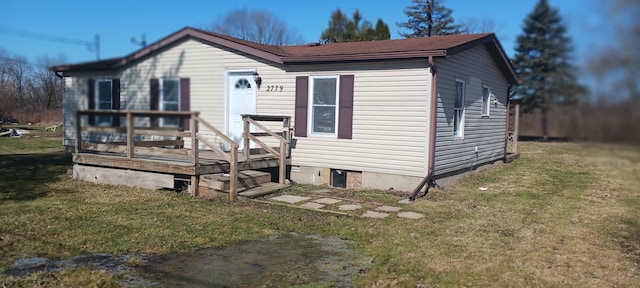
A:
[286,260]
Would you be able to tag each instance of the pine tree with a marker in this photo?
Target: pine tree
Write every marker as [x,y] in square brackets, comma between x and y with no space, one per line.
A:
[428,18]
[343,29]
[542,61]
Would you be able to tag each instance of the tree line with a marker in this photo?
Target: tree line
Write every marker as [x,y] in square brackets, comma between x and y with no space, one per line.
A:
[29,92]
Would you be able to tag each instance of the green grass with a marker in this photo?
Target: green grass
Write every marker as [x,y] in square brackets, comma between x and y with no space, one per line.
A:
[563,214]
[38,140]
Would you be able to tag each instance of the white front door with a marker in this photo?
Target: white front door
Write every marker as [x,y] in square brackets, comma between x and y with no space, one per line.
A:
[241,99]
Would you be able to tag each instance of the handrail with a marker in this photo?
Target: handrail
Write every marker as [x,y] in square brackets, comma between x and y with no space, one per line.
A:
[218,133]
[284,141]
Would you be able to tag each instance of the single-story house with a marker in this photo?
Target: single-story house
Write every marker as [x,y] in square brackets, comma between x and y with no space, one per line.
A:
[379,114]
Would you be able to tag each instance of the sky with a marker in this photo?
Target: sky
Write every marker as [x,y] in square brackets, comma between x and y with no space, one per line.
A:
[116,21]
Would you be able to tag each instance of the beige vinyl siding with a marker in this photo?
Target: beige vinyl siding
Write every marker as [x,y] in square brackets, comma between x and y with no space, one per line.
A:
[204,64]
[390,109]
[477,68]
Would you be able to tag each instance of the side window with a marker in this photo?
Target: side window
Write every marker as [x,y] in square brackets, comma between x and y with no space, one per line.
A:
[458,110]
[170,100]
[486,98]
[324,105]
[103,101]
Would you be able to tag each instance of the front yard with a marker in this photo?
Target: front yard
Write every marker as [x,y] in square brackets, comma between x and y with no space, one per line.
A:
[564,214]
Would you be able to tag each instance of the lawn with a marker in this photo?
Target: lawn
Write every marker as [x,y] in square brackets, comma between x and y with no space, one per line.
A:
[564,214]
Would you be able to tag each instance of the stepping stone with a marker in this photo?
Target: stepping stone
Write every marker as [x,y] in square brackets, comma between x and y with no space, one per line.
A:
[349,207]
[410,215]
[328,201]
[374,214]
[290,198]
[321,191]
[405,201]
[312,205]
[388,209]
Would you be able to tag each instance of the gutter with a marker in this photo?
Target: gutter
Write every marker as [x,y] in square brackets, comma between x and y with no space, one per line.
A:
[506,128]
[432,134]
[59,75]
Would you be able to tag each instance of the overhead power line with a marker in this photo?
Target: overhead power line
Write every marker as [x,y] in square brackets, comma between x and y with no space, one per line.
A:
[91,45]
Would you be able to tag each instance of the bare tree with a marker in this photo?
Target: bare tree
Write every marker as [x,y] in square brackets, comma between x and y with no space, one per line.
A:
[259,26]
[29,92]
[617,67]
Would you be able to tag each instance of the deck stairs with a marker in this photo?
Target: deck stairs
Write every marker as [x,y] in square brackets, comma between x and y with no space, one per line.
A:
[251,184]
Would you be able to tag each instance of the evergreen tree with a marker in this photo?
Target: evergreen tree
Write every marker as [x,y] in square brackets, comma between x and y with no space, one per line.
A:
[428,18]
[542,61]
[343,29]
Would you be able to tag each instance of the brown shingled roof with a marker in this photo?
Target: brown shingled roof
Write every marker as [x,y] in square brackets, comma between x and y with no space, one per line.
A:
[438,46]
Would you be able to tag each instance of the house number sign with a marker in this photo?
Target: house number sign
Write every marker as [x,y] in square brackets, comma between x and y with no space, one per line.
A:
[274,88]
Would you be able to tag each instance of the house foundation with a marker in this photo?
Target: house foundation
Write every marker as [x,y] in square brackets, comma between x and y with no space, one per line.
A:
[353,179]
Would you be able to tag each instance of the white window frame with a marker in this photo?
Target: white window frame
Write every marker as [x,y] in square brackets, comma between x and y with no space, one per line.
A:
[162,102]
[458,132]
[311,105]
[103,120]
[486,101]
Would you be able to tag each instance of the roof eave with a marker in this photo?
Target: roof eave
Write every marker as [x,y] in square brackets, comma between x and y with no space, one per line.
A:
[163,43]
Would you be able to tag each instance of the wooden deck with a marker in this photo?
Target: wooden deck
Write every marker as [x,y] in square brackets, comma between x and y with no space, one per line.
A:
[182,151]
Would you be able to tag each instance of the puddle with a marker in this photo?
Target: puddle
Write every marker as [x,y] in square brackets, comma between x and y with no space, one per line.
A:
[289,260]
[286,260]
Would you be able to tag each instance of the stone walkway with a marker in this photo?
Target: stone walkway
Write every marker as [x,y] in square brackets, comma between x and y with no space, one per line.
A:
[366,210]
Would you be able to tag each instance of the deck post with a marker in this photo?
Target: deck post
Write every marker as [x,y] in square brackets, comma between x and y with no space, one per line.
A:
[194,138]
[130,141]
[195,182]
[286,133]
[282,168]
[246,149]
[516,128]
[78,132]
[233,173]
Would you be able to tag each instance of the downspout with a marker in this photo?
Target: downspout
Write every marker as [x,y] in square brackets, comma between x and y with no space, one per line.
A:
[506,129]
[59,75]
[432,134]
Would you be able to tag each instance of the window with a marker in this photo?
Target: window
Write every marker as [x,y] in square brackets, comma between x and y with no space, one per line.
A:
[170,100]
[458,110]
[243,84]
[486,98]
[104,101]
[323,105]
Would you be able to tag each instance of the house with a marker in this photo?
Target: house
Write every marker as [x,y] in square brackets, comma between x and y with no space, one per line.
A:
[380,114]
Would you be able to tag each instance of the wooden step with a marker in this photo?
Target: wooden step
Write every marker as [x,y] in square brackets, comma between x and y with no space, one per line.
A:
[265,189]
[247,179]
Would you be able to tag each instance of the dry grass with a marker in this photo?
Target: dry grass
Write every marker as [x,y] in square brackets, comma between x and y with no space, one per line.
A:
[562,215]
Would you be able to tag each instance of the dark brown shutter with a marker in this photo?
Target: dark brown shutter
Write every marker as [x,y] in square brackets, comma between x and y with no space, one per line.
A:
[185,99]
[302,102]
[154,99]
[345,114]
[91,99]
[115,100]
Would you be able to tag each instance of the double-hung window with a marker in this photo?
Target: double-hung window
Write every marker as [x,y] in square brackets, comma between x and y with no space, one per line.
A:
[324,108]
[170,101]
[486,98]
[104,101]
[458,110]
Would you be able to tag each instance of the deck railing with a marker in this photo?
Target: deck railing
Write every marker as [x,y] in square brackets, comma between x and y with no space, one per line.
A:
[283,138]
[132,147]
